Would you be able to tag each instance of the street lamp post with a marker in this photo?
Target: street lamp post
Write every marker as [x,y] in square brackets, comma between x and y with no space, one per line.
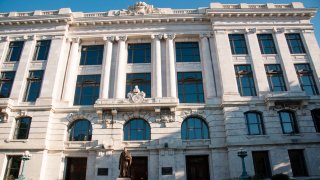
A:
[242,154]
[25,157]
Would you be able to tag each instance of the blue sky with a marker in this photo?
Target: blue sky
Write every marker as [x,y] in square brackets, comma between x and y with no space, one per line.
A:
[105,5]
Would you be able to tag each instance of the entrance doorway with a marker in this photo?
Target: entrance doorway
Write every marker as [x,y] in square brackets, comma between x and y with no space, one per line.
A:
[76,168]
[139,168]
[197,168]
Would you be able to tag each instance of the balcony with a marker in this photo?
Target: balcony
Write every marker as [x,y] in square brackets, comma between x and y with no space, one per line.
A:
[286,100]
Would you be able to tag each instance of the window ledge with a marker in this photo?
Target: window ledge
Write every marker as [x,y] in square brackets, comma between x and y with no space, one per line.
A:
[80,144]
[292,135]
[257,136]
[16,140]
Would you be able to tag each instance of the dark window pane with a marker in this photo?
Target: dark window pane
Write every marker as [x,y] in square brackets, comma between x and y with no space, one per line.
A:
[87,89]
[187,52]
[306,79]
[42,50]
[33,88]
[288,122]
[190,87]
[91,55]
[266,44]
[139,53]
[194,128]
[245,80]
[316,119]
[254,123]
[297,162]
[80,130]
[14,51]
[6,82]
[261,164]
[13,167]
[295,44]
[275,77]
[238,44]
[22,128]
[137,129]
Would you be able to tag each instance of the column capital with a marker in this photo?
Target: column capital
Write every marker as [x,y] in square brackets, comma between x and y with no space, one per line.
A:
[205,35]
[157,36]
[121,38]
[109,38]
[219,31]
[251,30]
[169,36]
[307,30]
[279,30]
[74,40]
[25,37]
[58,37]
[4,38]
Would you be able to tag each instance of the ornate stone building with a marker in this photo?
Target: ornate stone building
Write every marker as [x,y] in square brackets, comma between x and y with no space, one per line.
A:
[182,89]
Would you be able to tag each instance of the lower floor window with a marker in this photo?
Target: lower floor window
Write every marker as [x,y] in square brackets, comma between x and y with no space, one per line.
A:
[261,164]
[13,167]
[298,164]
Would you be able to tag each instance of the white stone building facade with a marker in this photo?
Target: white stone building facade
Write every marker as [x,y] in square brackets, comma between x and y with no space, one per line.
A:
[215,80]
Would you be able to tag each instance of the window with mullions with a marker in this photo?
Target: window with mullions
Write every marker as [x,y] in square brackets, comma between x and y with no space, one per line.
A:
[42,50]
[87,89]
[34,83]
[266,44]
[142,80]
[194,128]
[139,53]
[13,167]
[245,80]
[22,128]
[238,44]
[136,129]
[254,123]
[14,51]
[80,130]
[190,87]
[275,77]
[298,163]
[6,82]
[306,79]
[316,119]
[91,55]
[295,43]
[187,52]
[288,122]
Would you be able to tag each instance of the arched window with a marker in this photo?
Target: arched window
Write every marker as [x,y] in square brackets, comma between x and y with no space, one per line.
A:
[80,130]
[22,128]
[136,129]
[254,123]
[288,122]
[194,128]
[316,119]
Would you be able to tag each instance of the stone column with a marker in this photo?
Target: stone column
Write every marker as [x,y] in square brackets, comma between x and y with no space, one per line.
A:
[106,67]
[257,62]
[156,66]
[286,59]
[226,67]
[171,68]
[120,77]
[72,71]
[17,91]
[4,41]
[208,74]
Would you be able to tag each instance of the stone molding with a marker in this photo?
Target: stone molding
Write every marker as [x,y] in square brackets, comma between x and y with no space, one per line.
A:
[109,38]
[121,38]
[71,117]
[169,36]
[157,36]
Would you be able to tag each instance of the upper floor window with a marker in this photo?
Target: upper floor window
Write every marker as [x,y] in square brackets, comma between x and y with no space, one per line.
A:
[22,128]
[91,55]
[6,82]
[80,130]
[254,123]
[13,167]
[295,43]
[298,163]
[245,80]
[307,82]
[275,77]
[139,53]
[190,87]
[34,82]
[136,129]
[87,89]
[266,44]
[288,122]
[142,80]
[14,52]
[316,119]
[194,128]
[238,44]
[187,52]
[42,50]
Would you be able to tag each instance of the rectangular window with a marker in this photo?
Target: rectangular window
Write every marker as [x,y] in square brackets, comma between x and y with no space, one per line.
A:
[245,80]
[6,82]
[266,44]
[238,44]
[142,80]
[261,164]
[187,52]
[190,87]
[13,167]
[275,77]
[307,82]
[139,53]
[295,43]
[288,122]
[34,83]
[87,89]
[22,128]
[14,52]
[297,161]
[42,50]
[91,55]
[255,123]
[316,119]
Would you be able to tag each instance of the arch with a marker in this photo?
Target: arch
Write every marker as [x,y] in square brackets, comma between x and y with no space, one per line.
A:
[80,130]
[194,127]
[22,127]
[288,122]
[254,122]
[136,129]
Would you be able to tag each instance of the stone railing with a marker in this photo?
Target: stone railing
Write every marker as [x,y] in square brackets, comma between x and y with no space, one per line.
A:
[256,6]
[98,14]
[185,11]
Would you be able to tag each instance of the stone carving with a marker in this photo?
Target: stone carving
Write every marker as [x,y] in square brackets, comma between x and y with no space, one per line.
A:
[79,115]
[166,117]
[125,164]
[136,96]
[139,8]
